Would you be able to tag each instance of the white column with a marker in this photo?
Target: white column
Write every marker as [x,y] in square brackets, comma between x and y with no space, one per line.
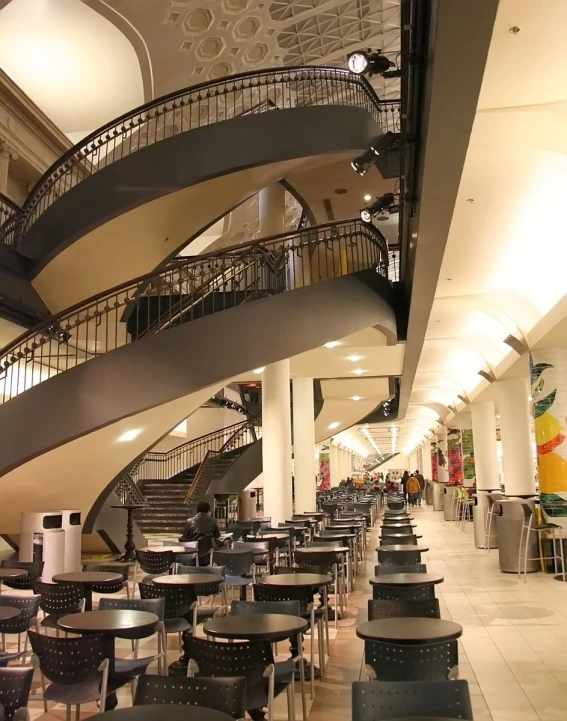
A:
[517,456]
[443,467]
[276,412]
[276,441]
[426,455]
[485,455]
[6,154]
[334,466]
[304,445]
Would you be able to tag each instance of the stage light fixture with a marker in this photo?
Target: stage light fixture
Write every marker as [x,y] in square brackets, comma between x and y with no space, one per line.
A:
[385,203]
[380,145]
[369,63]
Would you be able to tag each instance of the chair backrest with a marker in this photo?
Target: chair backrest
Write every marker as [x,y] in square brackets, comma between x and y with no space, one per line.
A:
[420,662]
[235,565]
[326,561]
[389,700]
[303,595]
[154,562]
[247,659]
[259,547]
[403,609]
[407,568]
[403,540]
[69,660]
[304,568]
[204,589]
[528,512]
[400,557]
[151,605]
[59,598]
[23,582]
[250,608]
[29,608]
[121,568]
[221,694]
[179,600]
[15,686]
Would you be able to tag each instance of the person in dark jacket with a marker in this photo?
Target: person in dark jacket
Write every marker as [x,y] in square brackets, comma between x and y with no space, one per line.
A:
[405,478]
[421,480]
[204,529]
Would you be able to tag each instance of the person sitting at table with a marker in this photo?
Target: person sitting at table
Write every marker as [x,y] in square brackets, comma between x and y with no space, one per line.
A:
[204,529]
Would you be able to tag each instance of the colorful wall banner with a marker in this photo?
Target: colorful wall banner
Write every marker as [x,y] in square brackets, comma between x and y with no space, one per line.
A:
[434,462]
[467,446]
[455,454]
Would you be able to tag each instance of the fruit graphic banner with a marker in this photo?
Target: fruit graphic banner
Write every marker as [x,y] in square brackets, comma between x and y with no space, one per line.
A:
[549,392]
[467,445]
[434,462]
[455,456]
[442,456]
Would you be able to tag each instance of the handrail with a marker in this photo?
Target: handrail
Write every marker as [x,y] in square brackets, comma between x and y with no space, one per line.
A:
[187,290]
[214,101]
[162,466]
[11,216]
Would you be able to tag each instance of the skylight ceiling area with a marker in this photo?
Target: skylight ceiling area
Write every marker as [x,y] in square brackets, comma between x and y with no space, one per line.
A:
[503,271]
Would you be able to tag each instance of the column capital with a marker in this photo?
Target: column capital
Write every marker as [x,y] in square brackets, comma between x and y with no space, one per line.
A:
[7,150]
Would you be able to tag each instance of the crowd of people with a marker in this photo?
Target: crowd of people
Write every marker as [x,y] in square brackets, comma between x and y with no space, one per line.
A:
[411,485]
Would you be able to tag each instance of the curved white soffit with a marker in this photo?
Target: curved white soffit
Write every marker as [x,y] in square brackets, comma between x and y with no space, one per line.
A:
[73,63]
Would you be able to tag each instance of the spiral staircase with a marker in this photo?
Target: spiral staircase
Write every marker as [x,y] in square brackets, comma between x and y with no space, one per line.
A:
[147,350]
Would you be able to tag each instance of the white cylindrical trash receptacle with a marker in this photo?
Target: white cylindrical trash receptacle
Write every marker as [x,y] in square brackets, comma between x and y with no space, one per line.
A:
[438,495]
[53,554]
[33,522]
[73,527]
[480,511]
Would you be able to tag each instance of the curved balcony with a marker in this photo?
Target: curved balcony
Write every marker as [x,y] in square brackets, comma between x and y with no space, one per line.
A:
[11,221]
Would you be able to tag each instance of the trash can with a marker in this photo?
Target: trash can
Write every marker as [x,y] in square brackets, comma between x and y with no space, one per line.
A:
[429,493]
[48,549]
[438,495]
[449,502]
[480,510]
[73,527]
[33,522]
[509,517]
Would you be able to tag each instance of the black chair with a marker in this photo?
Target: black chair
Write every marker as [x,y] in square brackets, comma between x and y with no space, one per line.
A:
[252,660]
[221,694]
[263,550]
[240,569]
[411,662]
[77,669]
[330,562]
[400,558]
[152,563]
[15,686]
[214,588]
[397,609]
[24,583]
[150,605]
[403,593]
[395,540]
[383,700]
[380,570]
[122,568]
[29,610]
[57,600]
[180,602]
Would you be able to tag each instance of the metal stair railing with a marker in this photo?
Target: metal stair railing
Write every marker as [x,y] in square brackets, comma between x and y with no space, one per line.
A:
[201,105]
[128,492]
[11,217]
[125,314]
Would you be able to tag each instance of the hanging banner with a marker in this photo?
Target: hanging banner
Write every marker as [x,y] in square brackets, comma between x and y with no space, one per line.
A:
[455,454]
[467,446]
[434,462]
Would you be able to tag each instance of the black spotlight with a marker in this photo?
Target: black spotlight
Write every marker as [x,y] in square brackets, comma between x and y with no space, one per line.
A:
[380,149]
[370,63]
[386,202]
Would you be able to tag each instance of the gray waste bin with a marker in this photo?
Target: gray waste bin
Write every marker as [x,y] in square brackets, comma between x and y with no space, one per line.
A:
[480,510]
[509,517]
[438,495]
[429,492]
[449,502]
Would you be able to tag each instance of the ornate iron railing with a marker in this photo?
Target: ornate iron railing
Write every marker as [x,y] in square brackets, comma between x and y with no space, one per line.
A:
[187,290]
[198,106]
[11,217]
[162,466]
[128,492]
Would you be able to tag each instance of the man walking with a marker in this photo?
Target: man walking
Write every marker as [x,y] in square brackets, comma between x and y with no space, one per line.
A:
[421,480]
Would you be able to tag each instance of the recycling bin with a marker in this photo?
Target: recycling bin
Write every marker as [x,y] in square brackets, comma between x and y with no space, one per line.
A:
[429,493]
[509,517]
[438,495]
[480,510]
[449,502]
[33,522]
[73,527]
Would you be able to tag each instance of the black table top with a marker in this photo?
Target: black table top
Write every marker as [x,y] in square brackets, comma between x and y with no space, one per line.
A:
[12,573]
[269,626]
[384,534]
[234,551]
[188,579]
[170,711]
[8,612]
[398,524]
[407,579]
[409,630]
[338,534]
[88,577]
[337,548]
[264,536]
[396,548]
[107,622]
[296,579]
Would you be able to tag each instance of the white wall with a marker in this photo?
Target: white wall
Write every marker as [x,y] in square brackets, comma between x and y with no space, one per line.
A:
[398,462]
[203,421]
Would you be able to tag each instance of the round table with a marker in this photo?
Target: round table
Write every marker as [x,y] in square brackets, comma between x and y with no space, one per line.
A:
[412,631]
[266,626]
[8,612]
[130,546]
[300,580]
[385,536]
[7,573]
[188,579]
[88,579]
[405,586]
[407,579]
[322,549]
[171,711]
[398,524]
[395,548]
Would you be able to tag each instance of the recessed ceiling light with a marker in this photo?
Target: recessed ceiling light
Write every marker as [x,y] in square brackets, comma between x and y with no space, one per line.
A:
[332,344]
[259,370]
[356,398]
[335,424]
[367,198]
[353,358]
[358,371]
[129,435]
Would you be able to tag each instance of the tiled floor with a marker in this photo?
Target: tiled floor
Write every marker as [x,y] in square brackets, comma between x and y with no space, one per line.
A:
[513,651]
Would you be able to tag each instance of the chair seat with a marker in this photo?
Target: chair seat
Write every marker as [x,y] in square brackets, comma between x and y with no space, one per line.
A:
[544,526]
[73,694]
[130,667]
[284,671]
[238,580]
[150,577]
[176,625]
[206,612]
[52,620]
